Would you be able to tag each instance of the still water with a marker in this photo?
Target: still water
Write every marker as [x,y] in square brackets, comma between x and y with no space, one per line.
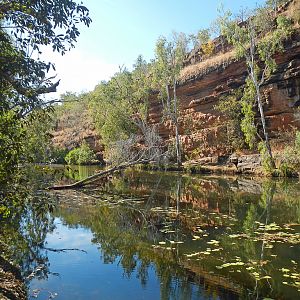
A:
[155,235]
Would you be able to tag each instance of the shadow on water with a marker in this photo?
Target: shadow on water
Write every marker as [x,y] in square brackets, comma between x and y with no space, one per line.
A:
[162,236]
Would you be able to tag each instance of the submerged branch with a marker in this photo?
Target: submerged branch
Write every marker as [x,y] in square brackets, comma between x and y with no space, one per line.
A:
[64,250]
[95,177]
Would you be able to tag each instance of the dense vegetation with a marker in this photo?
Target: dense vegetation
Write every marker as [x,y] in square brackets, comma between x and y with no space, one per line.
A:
[81,156]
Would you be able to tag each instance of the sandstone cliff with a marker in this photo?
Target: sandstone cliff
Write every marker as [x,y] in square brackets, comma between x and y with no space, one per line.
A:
[203,128]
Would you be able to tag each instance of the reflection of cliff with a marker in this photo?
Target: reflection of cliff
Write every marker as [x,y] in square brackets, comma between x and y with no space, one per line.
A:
[215,194]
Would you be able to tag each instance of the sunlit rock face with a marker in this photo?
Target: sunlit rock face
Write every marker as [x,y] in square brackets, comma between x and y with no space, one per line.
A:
[203,128]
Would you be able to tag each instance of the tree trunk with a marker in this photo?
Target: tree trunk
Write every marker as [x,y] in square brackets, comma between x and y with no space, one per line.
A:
[263,121]
[177,136]
[168,99]
[259,101]
[95,177]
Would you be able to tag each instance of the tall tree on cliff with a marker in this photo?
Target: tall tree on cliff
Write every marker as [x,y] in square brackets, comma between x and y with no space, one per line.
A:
[256,40]
[168,63]
[25,27]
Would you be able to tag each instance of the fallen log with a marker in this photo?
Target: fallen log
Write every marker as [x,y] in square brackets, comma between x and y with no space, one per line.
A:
[96,176]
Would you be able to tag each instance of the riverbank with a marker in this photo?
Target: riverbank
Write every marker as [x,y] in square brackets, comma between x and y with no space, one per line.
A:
[12,284]
[242,165]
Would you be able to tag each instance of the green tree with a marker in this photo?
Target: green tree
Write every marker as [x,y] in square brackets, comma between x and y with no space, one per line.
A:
[37,143]
[168,63]
[81,156]
[26,26]
[257,40]
[120,104]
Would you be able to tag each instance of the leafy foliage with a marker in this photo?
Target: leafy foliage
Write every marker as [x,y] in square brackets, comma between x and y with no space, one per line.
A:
[290,158]
[11,144]
[256,40]
[231,107]
[26,26]
[37,142]
[248,121]
[168,63]
[118,104]
[81,156]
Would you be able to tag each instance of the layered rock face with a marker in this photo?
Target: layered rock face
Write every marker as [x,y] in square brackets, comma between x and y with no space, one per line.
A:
[203,129]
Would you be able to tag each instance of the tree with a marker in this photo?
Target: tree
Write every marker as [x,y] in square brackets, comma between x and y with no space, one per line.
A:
[168,63]
[257,40]
[119,105]
[25,27]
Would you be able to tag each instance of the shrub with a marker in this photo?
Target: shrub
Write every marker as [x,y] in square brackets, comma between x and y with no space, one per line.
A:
[81,156]
[266,160]
[290,158]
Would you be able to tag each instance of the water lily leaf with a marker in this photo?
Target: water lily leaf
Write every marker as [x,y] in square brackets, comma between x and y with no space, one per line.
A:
[266,277]
[213,242]
[216,250]
[285,270]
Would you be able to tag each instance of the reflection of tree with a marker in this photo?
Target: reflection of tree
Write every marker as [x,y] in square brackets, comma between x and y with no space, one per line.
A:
[24,230]
[126,239]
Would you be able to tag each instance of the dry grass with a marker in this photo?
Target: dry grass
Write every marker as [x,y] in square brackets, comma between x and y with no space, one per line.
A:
[206,66]
[291,9]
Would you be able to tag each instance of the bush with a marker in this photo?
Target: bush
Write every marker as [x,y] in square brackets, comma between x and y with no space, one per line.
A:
[266,160]
[290,159]
[81,156]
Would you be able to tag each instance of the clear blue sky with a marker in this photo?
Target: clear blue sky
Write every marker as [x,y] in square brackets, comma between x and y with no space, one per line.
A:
[123,29]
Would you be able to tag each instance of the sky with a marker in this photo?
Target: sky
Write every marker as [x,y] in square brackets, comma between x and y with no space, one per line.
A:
[123,29]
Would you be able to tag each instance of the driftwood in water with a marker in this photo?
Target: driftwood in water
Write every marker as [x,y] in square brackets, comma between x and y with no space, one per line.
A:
[95,177]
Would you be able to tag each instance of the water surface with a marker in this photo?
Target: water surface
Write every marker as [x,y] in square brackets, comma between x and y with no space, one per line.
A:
[152,235]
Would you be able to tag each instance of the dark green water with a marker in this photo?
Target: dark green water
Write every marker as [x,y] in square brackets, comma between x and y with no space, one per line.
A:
[144,235]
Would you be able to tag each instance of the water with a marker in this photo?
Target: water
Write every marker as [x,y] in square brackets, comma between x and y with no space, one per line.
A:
[152,235]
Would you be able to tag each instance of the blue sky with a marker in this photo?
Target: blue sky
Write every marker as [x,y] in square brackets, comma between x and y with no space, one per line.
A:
[123,29]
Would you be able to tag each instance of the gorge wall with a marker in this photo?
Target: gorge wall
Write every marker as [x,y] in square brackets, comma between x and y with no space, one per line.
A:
[203,128]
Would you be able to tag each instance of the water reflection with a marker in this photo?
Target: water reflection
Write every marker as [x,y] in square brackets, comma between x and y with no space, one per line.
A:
[212,230]
[162,235]
[27,221]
